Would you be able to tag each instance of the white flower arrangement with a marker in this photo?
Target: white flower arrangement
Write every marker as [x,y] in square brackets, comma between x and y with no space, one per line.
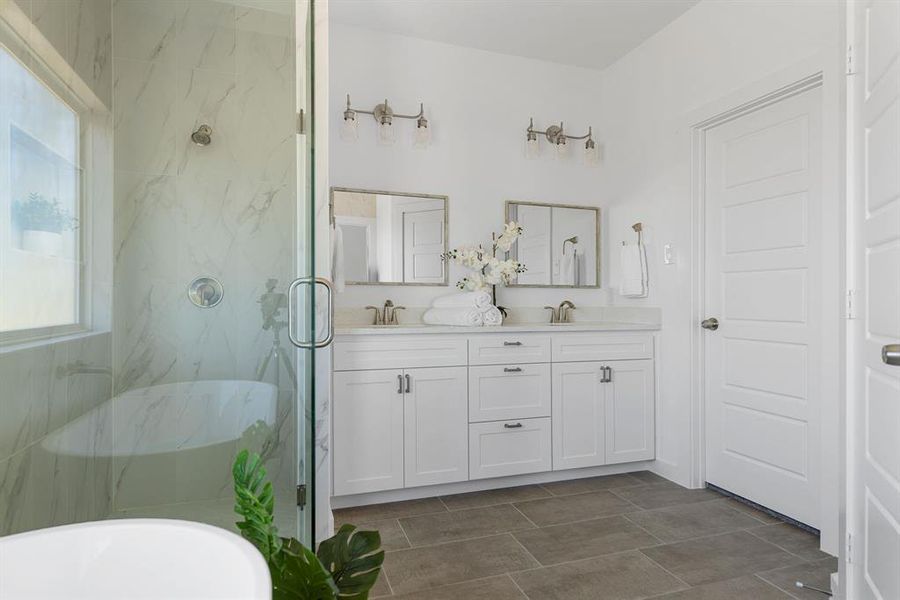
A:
[488,270]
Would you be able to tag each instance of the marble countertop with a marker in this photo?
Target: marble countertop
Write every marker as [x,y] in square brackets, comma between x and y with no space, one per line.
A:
[420,328]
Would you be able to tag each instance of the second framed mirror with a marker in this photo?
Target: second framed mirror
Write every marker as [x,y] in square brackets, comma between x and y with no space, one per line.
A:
[560,244]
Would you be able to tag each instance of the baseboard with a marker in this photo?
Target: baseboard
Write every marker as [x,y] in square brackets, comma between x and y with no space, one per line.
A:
[479,485]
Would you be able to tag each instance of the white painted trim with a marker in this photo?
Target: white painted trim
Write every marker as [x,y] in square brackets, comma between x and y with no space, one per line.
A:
[478,485]
[819,70]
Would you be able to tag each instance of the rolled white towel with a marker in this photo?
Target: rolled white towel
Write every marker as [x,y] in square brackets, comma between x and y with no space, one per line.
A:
[492,316]
[480,299]
[462,317]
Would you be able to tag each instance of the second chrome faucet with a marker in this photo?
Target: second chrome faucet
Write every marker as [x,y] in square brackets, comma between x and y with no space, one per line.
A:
[562,313]
[387,314]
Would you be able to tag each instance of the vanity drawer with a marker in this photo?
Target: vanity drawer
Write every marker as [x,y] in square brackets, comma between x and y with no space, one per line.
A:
[515,391]
[356,353]
[506,349]
[514,447]
[577,346]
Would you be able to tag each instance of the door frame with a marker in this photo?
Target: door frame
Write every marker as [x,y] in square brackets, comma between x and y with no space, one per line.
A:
[824,71]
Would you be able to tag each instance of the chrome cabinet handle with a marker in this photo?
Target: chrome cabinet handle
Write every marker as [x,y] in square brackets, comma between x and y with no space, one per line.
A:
[512,343]
[608,374]
[407,383]
[329,313]
[512,369]
[890,355]
[399,383]
[711,323]
[512,425]
[602,374]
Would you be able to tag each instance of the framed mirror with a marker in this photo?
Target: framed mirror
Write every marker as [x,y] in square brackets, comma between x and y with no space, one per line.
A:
[390,238]
[560,245]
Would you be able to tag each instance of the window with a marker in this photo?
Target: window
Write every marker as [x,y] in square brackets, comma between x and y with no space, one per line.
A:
[40,205]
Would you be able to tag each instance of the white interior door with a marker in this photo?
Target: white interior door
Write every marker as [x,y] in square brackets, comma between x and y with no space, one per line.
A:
[874,397]
[423,245]
[533,248]
[763,272]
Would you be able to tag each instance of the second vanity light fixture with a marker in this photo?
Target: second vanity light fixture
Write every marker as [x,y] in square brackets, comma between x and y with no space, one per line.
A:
[557,136]
[384,115]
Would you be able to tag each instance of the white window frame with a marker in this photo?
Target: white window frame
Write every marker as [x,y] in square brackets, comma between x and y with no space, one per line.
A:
[54,81]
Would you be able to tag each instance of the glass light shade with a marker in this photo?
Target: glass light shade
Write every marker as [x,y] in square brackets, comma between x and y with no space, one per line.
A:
[532,147]
[386,134]
[349,130]
[591,153]
[421,136]
[562,148]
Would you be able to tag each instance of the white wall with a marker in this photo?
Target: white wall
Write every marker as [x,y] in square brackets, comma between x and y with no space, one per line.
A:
[709,52]
[478,104]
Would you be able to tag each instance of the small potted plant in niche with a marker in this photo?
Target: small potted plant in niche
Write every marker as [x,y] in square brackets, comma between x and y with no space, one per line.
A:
[42,223]
[488,271]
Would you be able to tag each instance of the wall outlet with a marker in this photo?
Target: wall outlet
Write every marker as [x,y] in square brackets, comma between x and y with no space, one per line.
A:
[669,254]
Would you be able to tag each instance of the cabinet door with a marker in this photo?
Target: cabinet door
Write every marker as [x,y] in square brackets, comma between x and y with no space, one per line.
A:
[579,415]
[629,411]
[436,431]
[368,431]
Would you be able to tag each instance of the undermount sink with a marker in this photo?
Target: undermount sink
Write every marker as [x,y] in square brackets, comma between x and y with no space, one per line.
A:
[132,559]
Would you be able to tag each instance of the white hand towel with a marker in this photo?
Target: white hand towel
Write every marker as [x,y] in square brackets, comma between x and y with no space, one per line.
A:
[567,266]
[337,259]
[635,278]
[462,317]
[480,299]
[492,316]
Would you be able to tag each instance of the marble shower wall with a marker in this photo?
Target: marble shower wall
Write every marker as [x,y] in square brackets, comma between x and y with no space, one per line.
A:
[45,386]
[226,210]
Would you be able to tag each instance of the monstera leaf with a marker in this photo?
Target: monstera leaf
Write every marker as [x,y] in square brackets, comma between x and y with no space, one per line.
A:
[301,576]
[347,566]
[354,559]
[255,502]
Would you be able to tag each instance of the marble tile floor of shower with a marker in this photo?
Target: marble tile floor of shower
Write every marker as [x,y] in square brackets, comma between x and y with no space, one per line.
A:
[616,537]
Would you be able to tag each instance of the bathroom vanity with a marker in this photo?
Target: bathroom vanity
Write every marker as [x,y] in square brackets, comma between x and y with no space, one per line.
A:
[421,405]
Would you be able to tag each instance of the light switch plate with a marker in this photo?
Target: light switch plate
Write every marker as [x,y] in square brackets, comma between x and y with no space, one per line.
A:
[669,254]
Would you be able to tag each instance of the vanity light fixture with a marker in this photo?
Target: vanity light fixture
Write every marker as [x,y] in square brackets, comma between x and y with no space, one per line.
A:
[384,115]
[557,136]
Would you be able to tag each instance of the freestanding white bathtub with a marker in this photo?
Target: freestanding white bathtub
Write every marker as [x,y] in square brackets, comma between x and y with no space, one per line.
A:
[132,559]
[170,443]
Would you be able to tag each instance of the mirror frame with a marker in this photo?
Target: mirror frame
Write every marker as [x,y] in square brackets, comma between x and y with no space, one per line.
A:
[596,210]
[445,199]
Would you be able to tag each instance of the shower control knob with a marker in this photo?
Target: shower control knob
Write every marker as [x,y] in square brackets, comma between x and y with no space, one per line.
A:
[711,323]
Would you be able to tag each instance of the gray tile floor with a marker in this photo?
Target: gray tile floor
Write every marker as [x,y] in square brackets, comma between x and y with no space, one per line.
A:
[619,537]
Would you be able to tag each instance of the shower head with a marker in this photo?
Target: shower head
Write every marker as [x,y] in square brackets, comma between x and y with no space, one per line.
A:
[203,135]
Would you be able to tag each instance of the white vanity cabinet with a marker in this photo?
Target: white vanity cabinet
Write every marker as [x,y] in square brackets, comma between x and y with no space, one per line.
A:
[413,408]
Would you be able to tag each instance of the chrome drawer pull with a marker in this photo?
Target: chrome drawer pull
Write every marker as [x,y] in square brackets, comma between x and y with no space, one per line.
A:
[399,384]
[512,343]
[512,370]
[512,425]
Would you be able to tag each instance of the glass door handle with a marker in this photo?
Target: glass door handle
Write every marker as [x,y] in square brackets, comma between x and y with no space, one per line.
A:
[329,312]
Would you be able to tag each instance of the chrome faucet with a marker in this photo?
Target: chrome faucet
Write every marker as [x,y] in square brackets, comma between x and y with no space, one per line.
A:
[564,311]
[554,314]
[387,314]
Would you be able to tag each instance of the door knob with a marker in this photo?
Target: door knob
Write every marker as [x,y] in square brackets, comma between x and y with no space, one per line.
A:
[711,323]
[890,354]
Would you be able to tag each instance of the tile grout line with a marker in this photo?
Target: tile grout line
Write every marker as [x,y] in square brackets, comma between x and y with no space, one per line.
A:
[782,548]
[677,578]
[528,552]
[769,583]
[518,587]
[516,508]
[405,535]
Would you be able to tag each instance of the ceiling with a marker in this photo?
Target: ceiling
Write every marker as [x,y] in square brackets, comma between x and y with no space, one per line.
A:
[584,33]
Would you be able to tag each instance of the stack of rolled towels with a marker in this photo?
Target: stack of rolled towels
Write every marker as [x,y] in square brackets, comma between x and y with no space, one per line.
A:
[465,309]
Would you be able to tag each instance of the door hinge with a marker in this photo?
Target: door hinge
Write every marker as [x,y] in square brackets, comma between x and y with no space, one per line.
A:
[849,547]
[301,122]
[851,304]
[850,63]
[301,495]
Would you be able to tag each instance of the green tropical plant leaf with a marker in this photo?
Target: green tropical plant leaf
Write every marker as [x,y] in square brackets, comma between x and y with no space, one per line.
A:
[255,502]
[354,559]
[302,577]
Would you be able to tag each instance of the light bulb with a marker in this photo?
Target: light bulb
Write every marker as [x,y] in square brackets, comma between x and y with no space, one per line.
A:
[422,134]
[386,134]
[349,129]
